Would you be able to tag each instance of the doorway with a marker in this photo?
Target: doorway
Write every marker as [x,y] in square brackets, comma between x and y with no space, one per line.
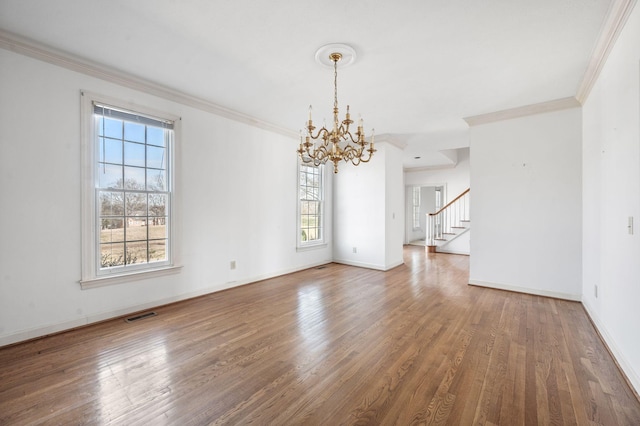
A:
[420,201]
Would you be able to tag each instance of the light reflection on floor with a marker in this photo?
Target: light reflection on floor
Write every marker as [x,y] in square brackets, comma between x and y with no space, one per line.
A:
[311,318]
[125,380]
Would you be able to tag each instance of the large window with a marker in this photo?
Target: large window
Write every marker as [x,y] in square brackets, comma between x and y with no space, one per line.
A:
[311,205]
[128,210]
[416,207]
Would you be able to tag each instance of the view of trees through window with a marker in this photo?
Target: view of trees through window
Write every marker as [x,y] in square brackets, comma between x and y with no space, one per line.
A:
[311,198]
[133,194]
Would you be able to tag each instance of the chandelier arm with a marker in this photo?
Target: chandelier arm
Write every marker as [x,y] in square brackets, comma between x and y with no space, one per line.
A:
[355,140]
[370,151]
[321,153]
[346,123]
[356,149]
[322,131]
[357,154]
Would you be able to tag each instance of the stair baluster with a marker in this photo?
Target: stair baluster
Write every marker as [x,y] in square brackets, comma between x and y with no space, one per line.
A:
[444,221]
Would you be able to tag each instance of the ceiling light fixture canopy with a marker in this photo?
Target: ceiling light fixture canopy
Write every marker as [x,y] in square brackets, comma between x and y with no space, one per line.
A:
[338,143]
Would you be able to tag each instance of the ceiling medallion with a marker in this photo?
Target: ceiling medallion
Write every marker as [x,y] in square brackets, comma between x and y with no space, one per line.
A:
[338,143]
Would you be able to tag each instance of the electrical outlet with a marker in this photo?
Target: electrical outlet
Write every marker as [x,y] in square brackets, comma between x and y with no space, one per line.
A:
[355,249]
[232,264]
[595,291]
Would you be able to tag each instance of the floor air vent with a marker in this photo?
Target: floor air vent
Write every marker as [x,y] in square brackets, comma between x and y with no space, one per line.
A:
[321,267]
[141,316]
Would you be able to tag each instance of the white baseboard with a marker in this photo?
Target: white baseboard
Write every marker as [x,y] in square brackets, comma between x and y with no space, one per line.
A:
[465,253]
[537,292]
[42,331]
[368,265]
[625,365]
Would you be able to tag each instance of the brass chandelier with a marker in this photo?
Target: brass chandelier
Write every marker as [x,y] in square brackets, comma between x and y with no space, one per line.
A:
[338,143]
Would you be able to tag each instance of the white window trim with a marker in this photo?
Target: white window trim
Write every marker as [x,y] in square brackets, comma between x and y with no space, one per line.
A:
[315,244]
[90,276]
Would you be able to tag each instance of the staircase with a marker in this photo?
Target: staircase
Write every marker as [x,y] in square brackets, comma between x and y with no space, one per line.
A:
[448,223]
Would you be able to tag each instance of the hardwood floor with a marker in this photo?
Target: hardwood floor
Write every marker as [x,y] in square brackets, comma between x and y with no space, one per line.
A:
[329,346]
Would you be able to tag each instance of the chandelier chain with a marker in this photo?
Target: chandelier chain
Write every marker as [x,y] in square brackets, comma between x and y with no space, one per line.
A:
[335,84]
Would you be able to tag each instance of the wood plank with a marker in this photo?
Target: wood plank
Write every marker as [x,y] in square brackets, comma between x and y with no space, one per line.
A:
[338,345]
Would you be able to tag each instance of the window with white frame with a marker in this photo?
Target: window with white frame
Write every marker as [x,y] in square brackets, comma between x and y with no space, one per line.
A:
[128,203]
[311,205]
[416,207]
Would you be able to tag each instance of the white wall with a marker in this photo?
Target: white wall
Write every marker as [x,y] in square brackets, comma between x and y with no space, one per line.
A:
[611,194]
[394,207]
[368,210]
[237,190]
[526,210]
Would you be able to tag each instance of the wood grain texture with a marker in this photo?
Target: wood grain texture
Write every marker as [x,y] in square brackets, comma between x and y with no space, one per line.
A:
[329,346]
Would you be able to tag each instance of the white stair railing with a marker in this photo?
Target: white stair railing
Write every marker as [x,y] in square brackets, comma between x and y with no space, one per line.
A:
[445,221]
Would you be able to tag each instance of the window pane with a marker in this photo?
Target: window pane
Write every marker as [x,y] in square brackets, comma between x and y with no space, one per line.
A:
[111,255]
[134,177]
[136,204]
[134,154]
[157,250]
[110,151]
[157,227]
[111,203]
[158,204]
[109,176]
[155,136]
[136,252]
[156,180]
[111,230]
[112,128]
[313,207]
[136,229]
[155,157]
[134,132]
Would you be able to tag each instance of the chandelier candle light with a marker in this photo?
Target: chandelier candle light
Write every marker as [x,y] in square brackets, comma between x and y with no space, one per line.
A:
[339,143]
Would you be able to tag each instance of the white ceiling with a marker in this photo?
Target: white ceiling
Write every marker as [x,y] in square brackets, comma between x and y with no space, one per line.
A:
[422,65]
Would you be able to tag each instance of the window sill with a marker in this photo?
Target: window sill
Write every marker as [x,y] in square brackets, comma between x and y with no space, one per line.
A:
[132,276]
[315,246]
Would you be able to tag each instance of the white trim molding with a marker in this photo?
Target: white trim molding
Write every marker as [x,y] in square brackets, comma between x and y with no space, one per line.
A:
[533,291]
[383,268]
[617,16]
[523,111]
[33,49]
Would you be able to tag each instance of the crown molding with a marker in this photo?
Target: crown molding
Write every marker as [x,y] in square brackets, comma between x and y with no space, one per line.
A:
[617,17]
[21,45]
[540,108]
